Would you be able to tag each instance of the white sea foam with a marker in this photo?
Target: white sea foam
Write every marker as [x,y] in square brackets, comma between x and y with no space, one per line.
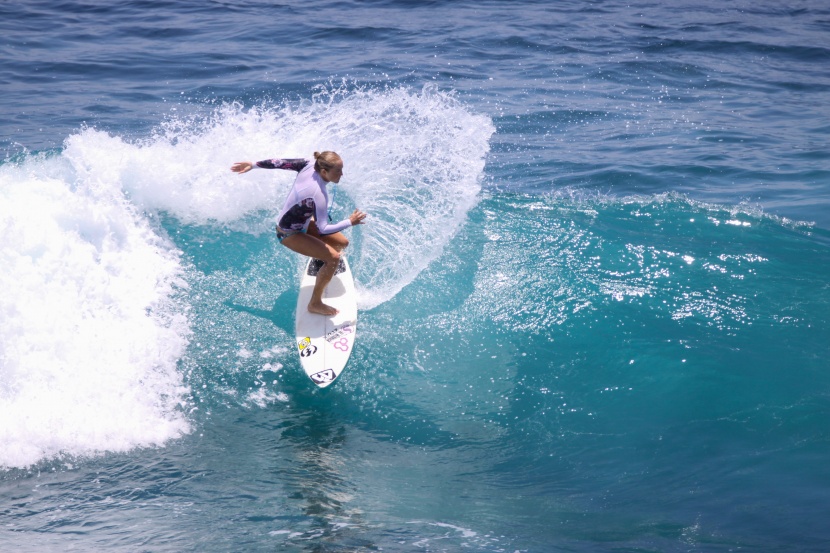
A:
[88,341]
[182,169]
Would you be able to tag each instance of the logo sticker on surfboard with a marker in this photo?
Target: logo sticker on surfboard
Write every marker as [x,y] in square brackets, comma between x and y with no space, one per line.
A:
[323,376]
[306,348]
[339,333]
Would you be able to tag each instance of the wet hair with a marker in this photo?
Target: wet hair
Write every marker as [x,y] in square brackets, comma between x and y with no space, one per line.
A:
[326,160]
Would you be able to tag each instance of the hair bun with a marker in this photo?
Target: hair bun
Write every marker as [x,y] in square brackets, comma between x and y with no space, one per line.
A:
[326,160]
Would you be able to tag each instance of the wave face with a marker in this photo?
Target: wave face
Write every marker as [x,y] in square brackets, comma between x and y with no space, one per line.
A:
[96,278]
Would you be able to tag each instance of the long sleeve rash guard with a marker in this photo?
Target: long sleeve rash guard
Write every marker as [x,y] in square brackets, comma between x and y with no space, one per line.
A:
[307,198]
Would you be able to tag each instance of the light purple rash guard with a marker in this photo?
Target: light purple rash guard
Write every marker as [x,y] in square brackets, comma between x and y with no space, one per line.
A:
[307,197]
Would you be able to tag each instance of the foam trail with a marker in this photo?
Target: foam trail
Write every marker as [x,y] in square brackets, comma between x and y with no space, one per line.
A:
[413,161]
[89,339]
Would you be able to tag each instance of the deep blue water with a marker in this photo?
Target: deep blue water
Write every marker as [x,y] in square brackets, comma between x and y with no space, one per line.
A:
[595,311]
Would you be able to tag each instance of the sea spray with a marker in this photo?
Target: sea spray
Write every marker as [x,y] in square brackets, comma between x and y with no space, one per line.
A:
[414,160]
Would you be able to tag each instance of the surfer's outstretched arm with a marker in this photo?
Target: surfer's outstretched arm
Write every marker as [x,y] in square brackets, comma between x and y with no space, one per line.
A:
[291,164]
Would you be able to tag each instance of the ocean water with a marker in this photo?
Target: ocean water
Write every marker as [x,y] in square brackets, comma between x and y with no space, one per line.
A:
[594,293]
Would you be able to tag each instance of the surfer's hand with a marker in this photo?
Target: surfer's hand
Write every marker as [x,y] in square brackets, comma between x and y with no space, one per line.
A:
[242,167]
[357,217]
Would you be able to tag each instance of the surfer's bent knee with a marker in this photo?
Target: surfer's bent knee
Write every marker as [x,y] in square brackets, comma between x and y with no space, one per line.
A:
[338,241]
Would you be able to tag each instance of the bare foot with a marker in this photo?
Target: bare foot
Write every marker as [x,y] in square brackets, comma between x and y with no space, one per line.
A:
[322,309]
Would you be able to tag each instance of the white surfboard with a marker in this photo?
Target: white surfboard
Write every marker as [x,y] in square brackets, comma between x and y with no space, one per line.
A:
[325,342]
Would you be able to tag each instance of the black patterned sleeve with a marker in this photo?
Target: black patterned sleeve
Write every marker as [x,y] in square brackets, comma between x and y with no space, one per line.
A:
[293,164]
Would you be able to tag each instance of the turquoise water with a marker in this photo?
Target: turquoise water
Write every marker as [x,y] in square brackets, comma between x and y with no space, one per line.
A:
[595,312]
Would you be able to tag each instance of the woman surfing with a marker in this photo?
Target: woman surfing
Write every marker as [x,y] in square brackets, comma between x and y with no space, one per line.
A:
[303,224]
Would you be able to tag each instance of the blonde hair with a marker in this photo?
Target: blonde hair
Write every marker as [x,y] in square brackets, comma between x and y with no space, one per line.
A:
[326,160]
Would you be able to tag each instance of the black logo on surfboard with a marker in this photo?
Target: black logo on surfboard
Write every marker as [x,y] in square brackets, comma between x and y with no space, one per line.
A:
[323,376]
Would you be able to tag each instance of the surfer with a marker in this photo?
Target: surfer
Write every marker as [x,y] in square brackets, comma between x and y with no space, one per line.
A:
[303,224]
